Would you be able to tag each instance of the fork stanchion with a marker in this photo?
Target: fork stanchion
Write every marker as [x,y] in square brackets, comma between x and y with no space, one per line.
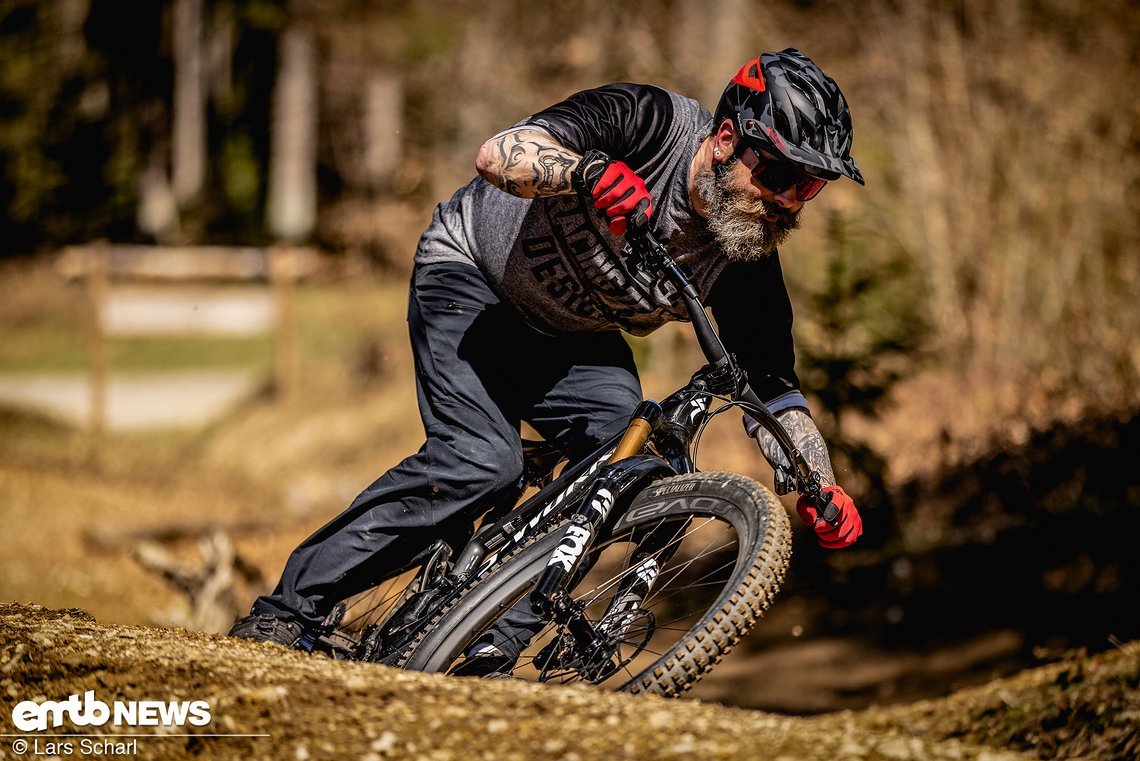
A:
[644,420]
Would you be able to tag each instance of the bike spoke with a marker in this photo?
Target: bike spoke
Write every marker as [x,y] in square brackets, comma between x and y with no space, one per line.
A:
[664,582]
[606,584]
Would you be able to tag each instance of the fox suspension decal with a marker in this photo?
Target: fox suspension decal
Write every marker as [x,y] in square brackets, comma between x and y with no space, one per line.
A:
[593,511]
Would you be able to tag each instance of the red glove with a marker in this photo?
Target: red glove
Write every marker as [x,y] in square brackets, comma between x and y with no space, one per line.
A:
[848,526]
[623,196]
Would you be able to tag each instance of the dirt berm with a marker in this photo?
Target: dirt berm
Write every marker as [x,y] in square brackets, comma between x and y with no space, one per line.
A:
[311,707]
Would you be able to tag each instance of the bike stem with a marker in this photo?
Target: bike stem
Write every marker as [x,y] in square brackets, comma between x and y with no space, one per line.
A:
[646,247]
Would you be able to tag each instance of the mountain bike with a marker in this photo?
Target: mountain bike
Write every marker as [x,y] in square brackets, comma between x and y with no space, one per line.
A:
[631,569]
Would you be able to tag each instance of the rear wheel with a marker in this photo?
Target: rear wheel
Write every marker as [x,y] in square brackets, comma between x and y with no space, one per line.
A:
[671,588]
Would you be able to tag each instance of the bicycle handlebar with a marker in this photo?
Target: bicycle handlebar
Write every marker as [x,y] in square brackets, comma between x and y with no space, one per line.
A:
[651,252]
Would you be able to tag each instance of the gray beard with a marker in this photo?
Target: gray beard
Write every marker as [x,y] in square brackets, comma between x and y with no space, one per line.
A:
[736,216]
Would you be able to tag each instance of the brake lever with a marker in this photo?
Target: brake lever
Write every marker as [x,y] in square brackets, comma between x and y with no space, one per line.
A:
[822,500]
[830,512]
[784,480]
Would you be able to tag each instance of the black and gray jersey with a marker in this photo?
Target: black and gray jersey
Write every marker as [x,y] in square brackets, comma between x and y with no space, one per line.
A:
[555,260]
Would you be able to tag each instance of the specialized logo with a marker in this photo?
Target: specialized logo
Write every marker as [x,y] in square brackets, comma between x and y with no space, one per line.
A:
[661,491]
[570,549]
[699,404]
[29,716]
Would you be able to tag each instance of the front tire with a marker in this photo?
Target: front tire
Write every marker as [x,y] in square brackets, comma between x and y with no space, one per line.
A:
[726,547]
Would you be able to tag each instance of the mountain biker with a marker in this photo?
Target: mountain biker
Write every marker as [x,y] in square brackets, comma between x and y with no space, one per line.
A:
[518,297]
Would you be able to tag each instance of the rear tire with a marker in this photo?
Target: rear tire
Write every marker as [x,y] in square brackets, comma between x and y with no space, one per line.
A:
[727,548]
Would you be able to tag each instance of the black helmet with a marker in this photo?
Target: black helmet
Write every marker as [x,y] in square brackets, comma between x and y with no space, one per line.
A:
[783,103]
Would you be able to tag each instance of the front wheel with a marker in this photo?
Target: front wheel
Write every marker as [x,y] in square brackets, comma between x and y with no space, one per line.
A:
[671,587]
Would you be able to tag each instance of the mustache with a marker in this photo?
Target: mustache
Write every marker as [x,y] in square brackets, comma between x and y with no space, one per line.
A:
[773,217]
[751,206]
[784,218]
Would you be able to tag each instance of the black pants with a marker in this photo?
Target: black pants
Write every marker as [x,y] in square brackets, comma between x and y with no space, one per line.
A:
[479,372]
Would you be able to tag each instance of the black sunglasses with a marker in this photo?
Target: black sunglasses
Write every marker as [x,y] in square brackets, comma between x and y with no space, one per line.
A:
[778,175]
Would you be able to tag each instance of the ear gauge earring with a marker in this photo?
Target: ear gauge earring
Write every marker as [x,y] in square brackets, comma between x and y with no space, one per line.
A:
[716,152]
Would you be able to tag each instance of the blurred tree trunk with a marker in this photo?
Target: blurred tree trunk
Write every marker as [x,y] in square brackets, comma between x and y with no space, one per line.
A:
[467,112]
[189,128]
[383,120]
[292,203]
[709,44]
[690,37]
[729,43]
[157,211]
[218,49]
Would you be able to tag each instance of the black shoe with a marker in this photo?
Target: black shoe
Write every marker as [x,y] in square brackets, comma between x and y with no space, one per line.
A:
[486,661]
[266,628]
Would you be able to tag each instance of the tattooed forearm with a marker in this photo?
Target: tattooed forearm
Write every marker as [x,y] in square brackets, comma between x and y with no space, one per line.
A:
[807,439]
[527,163]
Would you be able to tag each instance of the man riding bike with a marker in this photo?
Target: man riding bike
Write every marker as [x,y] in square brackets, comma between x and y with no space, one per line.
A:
[518,259]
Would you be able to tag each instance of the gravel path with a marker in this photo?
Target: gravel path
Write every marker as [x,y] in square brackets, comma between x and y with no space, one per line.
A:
[269,703]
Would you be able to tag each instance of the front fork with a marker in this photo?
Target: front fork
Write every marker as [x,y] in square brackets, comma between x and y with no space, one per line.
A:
[625,469]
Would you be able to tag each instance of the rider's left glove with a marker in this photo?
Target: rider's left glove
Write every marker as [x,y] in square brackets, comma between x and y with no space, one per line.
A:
[848,526]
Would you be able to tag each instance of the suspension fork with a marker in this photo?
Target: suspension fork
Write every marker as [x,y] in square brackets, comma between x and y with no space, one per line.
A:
[592,511]
[613,481]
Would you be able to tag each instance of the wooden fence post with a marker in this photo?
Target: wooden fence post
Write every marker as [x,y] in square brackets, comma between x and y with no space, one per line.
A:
[97,337]
[113,308]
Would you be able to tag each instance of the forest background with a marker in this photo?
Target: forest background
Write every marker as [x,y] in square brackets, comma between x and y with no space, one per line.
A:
[966,323]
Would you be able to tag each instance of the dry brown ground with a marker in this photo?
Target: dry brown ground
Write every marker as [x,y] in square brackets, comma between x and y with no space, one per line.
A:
[312,707]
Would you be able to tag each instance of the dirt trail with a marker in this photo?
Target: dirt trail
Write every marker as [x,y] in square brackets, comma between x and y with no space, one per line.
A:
[311,707]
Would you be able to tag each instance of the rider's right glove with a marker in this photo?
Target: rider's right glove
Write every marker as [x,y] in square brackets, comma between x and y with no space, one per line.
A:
[848,526]
[616,190]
